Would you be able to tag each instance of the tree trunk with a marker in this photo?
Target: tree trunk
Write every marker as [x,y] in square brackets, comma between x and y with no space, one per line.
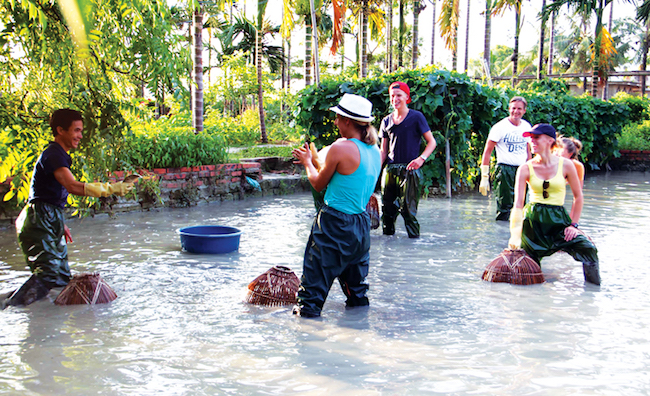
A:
[308,44]
[644,56]
[283,70]
[433,31]
[488,34]
[364,39]
[260,89]
[551,44]
[606,82]
[198,71]
[416,27]
[597,44]
[342,51]
[467,39]
[289,65]
[542,28]
[515,53]
[315,43]
[389,36]
[400,39]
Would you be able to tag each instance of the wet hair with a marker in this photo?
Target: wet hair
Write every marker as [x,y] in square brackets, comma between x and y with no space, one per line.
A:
[63,118]
[368,132]
[519,99]
[572,145]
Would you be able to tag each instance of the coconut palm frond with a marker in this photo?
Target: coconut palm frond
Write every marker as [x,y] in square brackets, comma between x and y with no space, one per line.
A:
[337,32]
[288,21]
[607,53]
[448,21]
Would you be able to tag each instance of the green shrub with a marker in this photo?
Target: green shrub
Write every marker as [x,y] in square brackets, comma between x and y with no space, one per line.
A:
[635,136]
[462,112]
[262,151]
[639,106]
[161,144]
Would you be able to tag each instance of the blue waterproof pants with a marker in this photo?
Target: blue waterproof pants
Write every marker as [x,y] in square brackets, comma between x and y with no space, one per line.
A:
[339,246]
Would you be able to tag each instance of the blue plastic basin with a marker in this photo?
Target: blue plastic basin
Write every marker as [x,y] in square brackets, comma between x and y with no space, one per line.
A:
[209,239]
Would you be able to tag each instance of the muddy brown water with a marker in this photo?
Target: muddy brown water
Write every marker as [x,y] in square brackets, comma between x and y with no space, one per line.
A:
[179,326]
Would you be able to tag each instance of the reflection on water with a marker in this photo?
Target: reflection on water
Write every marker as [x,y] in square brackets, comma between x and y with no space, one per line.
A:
[179,325]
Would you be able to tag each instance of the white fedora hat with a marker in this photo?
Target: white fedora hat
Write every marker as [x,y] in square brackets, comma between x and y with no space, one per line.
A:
[355,107]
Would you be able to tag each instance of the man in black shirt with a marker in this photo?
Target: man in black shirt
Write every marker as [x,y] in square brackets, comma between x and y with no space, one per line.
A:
[42,233]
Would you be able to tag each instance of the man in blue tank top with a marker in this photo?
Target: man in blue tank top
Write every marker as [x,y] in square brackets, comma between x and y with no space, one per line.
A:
[401,133]
[339,244]
[42,233]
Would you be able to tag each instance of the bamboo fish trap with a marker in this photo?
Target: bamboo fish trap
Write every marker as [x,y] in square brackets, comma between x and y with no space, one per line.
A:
[277,286]
[86,289]
[373,210]
[514,266]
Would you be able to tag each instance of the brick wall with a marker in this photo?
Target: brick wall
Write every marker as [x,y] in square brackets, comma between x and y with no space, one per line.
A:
[632,160]
[189,186]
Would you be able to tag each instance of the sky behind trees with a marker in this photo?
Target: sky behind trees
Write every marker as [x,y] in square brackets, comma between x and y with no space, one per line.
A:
[502,29]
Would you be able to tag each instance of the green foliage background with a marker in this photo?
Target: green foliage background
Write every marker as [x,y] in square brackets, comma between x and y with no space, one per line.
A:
[463,112]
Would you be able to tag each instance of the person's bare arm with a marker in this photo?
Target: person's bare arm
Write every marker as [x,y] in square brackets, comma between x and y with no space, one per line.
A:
[384,149]
[67,180]
[571,175]
[487,151]
[431,145]
[318,179]
[520,186]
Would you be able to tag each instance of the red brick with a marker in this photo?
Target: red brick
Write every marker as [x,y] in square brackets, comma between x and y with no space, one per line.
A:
[236,179]
[160,171]
[251,165]
[204,173]
[208,167]
[186,169]
[170,185]
[236,173]
[199,183]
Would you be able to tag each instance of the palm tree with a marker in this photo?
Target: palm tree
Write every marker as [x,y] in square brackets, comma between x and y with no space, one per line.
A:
[417,8]
[433,30]
[541,42]
[400,34]
[197,99]
[587,7]
[489,4]
[499,8]
[643,15]
[261,9]
[551,44]
[467,39]
[389,36]
[370,17]
[449,28]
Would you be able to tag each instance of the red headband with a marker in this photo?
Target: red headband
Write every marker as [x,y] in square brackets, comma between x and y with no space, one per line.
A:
[402,86]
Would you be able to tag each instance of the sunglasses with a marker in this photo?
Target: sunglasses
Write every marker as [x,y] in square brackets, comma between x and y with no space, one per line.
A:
[545,186]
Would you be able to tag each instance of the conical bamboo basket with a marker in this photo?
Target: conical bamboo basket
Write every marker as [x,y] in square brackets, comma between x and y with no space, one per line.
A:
[277,286]
[86,289]
[514,266]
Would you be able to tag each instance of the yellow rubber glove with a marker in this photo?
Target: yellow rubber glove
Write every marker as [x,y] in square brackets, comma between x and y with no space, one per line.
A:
[516,227]
[106,189]
[484,187]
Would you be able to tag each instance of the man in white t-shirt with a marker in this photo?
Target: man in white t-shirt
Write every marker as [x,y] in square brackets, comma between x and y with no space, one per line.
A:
[512,150]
